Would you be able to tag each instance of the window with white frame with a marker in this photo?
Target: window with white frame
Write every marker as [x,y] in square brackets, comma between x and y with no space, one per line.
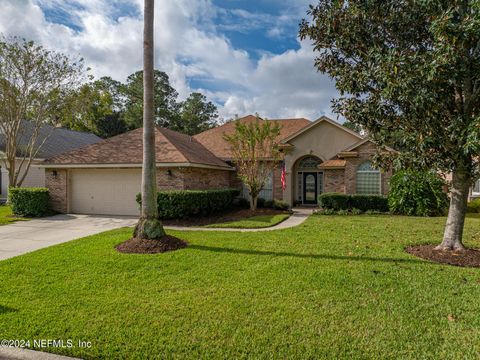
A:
[368,179]
[476,187]
[266,193]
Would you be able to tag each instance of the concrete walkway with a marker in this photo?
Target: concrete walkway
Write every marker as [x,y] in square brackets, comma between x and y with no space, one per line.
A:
[26,236]
[299,216]
[7,353]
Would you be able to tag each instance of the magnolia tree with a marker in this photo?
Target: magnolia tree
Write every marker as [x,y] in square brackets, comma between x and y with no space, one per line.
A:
[32,81]
[409,70]
[255,154]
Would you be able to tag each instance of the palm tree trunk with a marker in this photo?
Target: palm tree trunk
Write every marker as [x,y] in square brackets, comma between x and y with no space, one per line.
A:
[149,226]
[452,238]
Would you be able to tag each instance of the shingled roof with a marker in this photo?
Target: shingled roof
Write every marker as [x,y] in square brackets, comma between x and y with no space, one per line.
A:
[51,140]
[126,149]
[213,139]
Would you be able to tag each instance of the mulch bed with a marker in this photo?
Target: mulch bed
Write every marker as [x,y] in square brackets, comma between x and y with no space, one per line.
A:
[233,215]
[466,258]
[143,246]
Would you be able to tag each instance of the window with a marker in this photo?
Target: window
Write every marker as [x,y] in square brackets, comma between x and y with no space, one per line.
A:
[309,163]
[476,187]
[368,179]
[266,193]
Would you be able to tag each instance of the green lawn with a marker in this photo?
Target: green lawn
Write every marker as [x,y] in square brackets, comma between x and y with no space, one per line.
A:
[6,216]
[254,222]
[333,287]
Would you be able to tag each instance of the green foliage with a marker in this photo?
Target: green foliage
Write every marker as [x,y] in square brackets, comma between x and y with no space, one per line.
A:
[280,204]
[252,143]
[474,206]
[196,115]
[418,193]
[186,203]
[405,70]
[336,202]
[261,203]
[165,100]
[254,222]
[242,203]
[333,201]
[30,202]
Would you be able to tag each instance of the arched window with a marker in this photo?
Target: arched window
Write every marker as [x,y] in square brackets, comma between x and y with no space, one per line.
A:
[368,179]
[309,163]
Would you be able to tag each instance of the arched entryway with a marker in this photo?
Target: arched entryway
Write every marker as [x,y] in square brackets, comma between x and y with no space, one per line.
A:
[308,180]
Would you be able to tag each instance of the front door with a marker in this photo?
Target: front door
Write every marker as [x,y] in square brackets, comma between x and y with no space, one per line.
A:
[310,188]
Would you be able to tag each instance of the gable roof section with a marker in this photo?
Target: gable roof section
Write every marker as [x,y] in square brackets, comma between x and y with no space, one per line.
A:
[214,141]
[55,140]
[317,122]
[126,149]
[361,142]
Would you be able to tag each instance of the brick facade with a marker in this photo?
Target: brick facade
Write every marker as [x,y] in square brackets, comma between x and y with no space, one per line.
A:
[365,153]
[334,180]
[57,183]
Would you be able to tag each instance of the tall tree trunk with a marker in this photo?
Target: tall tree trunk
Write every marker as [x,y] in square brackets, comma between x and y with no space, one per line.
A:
[452,238]
[149,226]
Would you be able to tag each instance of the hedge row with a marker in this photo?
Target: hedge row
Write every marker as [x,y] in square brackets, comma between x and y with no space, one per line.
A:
[338,202]
[185,203]
[30,202]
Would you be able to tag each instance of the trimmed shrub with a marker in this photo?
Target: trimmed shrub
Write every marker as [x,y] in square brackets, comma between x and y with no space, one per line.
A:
[242,203]
[474,206]
[417,193]
[336,202]
[369,202]
[260,202]
[268,204]
[30,202]
[280,204]
[186,203]
[333,201]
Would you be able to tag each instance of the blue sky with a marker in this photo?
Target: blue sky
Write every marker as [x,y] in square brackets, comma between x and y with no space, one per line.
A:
[244,55]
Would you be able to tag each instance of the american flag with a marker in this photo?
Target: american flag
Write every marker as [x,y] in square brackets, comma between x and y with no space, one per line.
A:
[284,176]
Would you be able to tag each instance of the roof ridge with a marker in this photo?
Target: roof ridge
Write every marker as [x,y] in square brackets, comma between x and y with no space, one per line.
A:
[160,129]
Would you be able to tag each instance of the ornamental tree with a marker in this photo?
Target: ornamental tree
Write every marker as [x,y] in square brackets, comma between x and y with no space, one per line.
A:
[409,70]
[255,153]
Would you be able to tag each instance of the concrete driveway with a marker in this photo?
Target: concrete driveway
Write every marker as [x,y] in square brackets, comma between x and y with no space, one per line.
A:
[26,236]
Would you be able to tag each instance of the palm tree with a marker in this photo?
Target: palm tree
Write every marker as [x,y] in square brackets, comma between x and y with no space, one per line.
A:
[149,226]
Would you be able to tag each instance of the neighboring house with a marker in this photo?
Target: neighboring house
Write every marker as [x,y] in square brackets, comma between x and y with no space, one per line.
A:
[51,141]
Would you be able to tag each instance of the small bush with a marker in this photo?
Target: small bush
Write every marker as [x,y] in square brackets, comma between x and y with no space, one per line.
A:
[333,201]
[369,202]
[186,203]
[363,203]
[356,211]
[374,212]
[474,206]
[30,202]
[280,204]
[268,204]
[260,202]
[417,193]
[242,203]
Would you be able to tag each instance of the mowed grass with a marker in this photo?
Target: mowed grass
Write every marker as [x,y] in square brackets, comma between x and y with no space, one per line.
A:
[254,222]
[334,287]
[7,217]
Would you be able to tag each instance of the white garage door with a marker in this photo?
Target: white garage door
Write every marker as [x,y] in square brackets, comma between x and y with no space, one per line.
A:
[105,191]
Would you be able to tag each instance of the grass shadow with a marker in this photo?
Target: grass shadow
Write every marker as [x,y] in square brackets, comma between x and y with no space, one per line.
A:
[306,256]
[6,309]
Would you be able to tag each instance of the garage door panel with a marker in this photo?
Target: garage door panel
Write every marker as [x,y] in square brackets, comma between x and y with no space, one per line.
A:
[105,191]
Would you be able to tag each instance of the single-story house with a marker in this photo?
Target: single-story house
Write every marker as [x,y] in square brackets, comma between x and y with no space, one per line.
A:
[51,141]
[320,156]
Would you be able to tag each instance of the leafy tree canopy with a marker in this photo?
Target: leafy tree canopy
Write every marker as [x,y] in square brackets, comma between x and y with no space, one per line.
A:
[408,70]
[196,115]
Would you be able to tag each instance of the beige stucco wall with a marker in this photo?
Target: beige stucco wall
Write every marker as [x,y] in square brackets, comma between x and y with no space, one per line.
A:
[323,140]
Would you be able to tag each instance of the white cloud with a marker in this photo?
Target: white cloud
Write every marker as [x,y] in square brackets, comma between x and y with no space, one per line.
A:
[188,46]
